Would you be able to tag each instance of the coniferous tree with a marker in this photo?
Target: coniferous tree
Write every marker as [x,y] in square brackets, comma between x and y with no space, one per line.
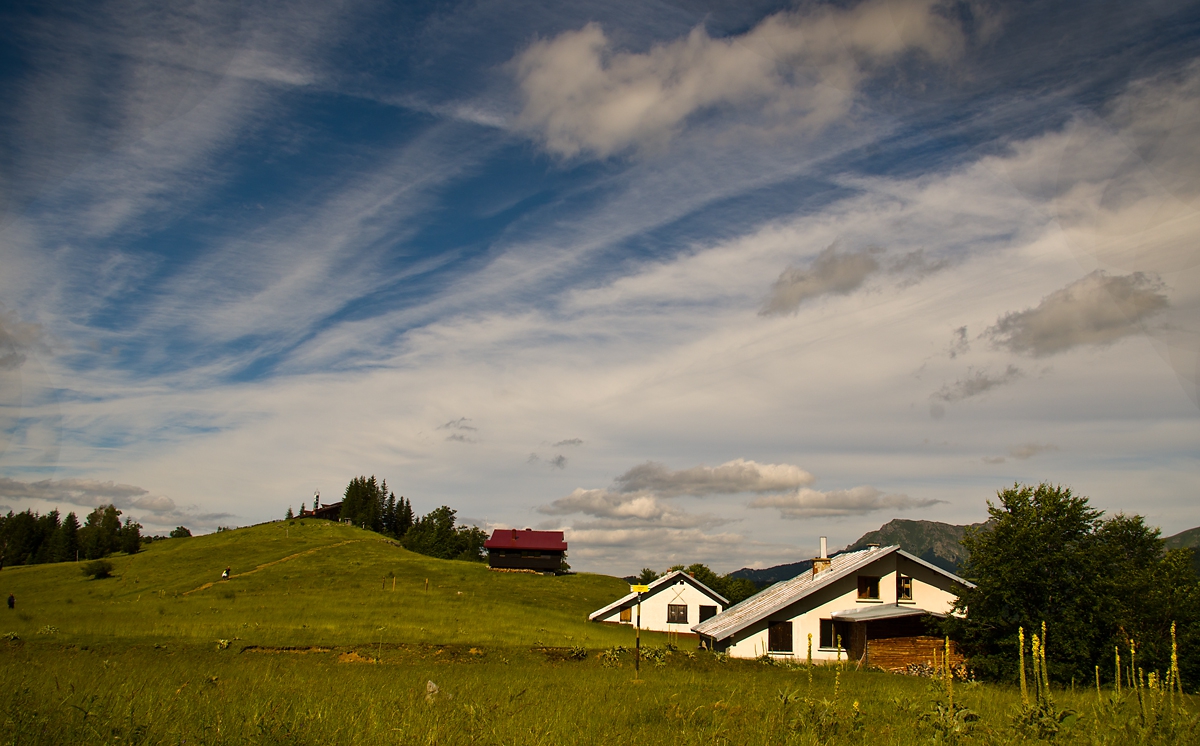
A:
[404,517]
[389,515]
[131,536]
[67,547]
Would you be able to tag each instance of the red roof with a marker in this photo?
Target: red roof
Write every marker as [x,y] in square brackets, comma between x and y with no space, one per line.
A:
[511,538]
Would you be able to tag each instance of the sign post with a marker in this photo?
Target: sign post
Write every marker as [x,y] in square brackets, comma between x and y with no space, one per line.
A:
[637,640]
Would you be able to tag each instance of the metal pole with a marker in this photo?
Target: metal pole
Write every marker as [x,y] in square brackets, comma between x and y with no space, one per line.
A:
[637,640]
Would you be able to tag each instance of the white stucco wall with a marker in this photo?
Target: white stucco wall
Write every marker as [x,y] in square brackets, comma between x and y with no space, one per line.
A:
[932,591]
[654,607]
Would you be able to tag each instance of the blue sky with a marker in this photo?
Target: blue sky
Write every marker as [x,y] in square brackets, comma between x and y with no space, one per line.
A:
[691,281]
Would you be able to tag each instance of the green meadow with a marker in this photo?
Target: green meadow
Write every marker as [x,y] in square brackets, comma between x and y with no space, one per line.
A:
[326,634]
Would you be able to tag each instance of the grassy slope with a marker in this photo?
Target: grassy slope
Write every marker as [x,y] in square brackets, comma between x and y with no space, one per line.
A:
[307,583]
[133,661]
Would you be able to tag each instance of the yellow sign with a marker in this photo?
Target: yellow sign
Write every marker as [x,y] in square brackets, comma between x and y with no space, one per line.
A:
[639,588]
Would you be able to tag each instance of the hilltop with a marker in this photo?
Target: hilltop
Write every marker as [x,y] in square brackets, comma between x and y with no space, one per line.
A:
[306,582]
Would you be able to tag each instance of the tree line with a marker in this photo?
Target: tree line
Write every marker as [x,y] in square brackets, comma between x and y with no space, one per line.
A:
[27,538]
[368,503]
[1100,584]
[735,590]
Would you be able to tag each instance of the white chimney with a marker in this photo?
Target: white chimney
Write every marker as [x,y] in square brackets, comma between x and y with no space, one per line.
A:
[822,562]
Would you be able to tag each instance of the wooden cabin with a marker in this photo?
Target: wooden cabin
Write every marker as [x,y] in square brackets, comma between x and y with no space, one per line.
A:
[514,549]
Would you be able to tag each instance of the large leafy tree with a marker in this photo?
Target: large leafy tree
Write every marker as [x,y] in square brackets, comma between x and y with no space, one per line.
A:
[436,535]
[1047,556]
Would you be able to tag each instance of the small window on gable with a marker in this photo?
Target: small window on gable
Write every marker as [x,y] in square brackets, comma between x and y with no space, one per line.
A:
[707,612]
[903,588]
[779,637]
[868,588]
[676,613]
[627,614]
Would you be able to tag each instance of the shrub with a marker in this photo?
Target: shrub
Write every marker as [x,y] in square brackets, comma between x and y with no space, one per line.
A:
[98,569]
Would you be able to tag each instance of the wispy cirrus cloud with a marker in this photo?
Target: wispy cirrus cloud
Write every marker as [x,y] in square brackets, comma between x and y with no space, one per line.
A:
[18,339]
[1022,452]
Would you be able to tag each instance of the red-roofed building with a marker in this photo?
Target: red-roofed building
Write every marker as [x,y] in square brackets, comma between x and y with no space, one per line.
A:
[514,549]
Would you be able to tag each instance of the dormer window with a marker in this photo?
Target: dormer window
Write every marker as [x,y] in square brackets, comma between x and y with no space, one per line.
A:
[868,588]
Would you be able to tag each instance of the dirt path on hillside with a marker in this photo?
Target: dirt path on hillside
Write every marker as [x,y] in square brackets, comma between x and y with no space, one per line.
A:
[314,550]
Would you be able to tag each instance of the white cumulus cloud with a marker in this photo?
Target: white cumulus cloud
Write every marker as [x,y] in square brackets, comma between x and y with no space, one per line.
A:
[799,69]
[810,503]
[730,478]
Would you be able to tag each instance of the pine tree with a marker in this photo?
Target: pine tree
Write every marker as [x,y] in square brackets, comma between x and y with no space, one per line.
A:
[289,515]
[68,545]
[404,517]
[389,515]
[131,536]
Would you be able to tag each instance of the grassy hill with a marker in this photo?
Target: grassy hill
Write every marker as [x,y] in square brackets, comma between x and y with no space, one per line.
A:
[306,582]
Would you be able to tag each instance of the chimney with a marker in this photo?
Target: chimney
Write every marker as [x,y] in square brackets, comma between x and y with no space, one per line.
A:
[822,562]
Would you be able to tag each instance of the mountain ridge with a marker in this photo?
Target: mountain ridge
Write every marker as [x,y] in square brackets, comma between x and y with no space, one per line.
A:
[935,542]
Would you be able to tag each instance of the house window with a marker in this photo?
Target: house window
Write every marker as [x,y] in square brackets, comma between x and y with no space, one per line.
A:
[779,637]
[868,588]
[530,554]
[627,614]
[903,588]
[707,612]
[831,630]
[676,613]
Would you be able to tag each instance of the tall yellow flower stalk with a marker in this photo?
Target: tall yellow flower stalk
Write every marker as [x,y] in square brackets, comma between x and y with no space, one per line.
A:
[1021,647]
[1117,656]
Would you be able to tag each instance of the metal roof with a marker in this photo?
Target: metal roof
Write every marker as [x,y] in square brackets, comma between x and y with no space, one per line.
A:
[883,611]
[511,538]
[787,592]
[666,580]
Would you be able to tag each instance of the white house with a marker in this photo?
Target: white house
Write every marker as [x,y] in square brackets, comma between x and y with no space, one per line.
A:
[673,603]
[873,606]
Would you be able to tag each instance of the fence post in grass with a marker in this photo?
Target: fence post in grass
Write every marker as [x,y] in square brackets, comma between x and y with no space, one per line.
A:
[1097,683]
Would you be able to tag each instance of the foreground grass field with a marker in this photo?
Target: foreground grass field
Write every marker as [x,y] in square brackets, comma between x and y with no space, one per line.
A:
[307,643]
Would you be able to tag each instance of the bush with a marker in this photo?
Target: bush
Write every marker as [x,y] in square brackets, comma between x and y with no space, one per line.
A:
[180,532]
[98,569]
